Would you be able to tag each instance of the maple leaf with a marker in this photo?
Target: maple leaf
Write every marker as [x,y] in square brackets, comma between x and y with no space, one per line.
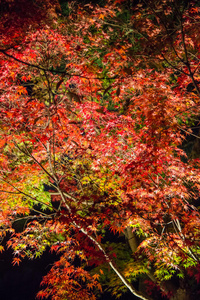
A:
[16,260]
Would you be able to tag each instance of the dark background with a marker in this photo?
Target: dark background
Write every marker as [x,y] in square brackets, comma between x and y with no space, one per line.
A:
[23,282]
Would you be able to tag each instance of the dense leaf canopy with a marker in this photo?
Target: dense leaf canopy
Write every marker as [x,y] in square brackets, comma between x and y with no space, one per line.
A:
[96,105]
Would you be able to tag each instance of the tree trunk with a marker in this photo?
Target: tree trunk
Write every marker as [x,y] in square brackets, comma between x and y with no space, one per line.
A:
[132,239]
[181,294]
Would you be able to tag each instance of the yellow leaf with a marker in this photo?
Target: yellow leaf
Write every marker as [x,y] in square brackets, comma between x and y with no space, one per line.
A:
[101,16]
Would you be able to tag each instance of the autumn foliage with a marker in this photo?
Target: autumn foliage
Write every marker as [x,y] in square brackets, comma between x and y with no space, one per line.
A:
[95,108]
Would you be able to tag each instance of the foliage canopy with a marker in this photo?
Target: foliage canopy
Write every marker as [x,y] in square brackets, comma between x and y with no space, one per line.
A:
[95,104]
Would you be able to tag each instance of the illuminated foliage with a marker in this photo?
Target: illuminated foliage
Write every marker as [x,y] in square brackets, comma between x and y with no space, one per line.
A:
[94,109]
